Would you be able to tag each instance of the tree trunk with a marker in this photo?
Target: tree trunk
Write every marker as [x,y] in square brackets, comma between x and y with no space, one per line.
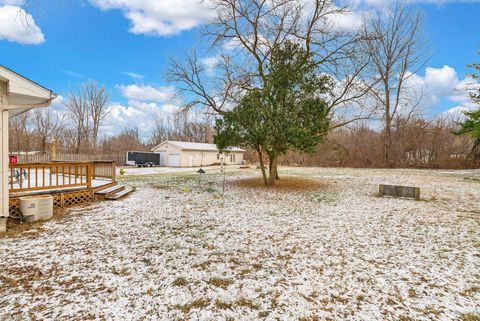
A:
[273,170]
[44,145]
[262,166]
[270,162]
[95,135]
[387,143]
[387,139]
[77,147]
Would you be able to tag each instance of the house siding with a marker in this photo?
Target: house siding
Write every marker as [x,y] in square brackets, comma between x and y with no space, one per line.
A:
[3,92]
[199,158]
[209,158]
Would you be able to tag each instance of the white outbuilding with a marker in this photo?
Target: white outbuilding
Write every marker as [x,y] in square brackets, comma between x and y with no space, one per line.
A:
[187,154]
[17,95]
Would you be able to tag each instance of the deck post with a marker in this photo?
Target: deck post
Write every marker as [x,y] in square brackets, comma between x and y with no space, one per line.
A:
[89,174]
[114,171]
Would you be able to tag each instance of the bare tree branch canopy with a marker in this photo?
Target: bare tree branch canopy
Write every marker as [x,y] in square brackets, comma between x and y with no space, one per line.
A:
[78,113]
[398,50]
[183,127]
[47,125]
[20,132]
[87,108]
[243,35]
[97,99]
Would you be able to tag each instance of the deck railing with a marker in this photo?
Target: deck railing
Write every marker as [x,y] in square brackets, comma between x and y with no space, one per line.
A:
[39,176]
[104,170]
[57,175]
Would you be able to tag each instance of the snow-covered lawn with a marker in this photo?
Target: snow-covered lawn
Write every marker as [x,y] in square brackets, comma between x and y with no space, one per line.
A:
[336,253]
[135,171]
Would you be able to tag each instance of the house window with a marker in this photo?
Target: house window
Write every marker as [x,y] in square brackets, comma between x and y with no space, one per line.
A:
[218,156]
[232,158]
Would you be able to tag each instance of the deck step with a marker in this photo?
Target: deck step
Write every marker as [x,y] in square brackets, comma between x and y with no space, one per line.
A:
[120,194]
[110,190]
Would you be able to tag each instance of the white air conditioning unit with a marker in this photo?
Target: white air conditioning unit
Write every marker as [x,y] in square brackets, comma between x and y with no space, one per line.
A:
[36,208]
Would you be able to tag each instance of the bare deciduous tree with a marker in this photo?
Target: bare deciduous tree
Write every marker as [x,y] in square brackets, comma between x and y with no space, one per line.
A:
[78,113]
[397,49]
[47,124]
[20,132]
[87,108]
[127,140]
[97,100]
[183,126]
[243,35]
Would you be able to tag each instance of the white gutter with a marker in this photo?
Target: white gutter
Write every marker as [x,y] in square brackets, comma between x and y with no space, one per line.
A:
[46,103]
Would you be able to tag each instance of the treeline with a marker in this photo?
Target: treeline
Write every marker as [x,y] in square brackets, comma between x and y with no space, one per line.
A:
[418,143]
[76,129]
[37,131]
[180,127]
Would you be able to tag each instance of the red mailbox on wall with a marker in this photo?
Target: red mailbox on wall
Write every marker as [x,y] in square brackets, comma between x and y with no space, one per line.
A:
[13,159]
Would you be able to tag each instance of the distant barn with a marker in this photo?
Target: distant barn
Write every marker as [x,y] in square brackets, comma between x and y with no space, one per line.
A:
[187,154]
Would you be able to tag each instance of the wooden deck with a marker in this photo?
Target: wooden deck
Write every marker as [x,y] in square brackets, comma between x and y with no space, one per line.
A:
[70,183]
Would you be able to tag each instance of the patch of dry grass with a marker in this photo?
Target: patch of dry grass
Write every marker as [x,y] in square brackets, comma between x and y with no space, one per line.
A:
[159,186]
[196,304]
[223,305]
[247,303]
[469,317]
[220,282]
[180,282]
[285,183]
[471,291]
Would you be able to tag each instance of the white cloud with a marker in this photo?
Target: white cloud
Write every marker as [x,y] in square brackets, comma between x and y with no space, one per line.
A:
[210,64]
[159,17]
[141,115]
[147,93]
[347,21]
[437,84]
[459,110]
[16,25]
[462,89]
[135,114]
[13,2]
[388,3]
[73,74]
[58,103]
[133,75]
[441,81]
[462,97]
[442,84]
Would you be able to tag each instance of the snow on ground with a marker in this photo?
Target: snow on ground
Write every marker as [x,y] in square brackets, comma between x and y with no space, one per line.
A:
[135,171]
[172,251]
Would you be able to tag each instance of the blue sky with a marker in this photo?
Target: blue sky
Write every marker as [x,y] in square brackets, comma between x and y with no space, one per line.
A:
[120,44]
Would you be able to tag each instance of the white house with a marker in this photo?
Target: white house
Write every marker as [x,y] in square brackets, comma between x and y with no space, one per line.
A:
[186,154]
[17,95]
